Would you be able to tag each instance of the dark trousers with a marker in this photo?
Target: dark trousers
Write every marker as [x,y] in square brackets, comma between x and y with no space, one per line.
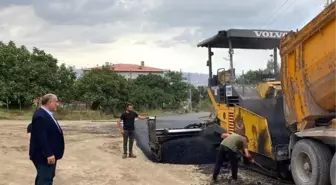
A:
[225,154]
[129,135]
[45,174]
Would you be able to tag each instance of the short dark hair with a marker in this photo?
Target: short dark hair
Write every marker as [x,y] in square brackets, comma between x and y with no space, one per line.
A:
[46,98]
[128,104]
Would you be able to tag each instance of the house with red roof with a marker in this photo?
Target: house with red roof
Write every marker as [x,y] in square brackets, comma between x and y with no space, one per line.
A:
[132,71]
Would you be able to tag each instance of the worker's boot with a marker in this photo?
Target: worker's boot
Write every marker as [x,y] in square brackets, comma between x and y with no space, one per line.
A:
[235,181]
[226,167]
[214,180]
[124,156]
[132,155]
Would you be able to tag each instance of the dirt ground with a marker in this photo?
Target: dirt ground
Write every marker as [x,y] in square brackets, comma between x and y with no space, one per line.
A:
[92,157]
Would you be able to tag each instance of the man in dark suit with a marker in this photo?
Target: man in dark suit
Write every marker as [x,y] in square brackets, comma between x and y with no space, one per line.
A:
[46,141]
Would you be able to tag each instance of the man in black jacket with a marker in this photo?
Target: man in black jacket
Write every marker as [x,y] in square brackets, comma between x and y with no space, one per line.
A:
[46,141]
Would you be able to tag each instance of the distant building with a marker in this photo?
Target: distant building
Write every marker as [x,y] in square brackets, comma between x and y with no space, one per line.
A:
[132,71]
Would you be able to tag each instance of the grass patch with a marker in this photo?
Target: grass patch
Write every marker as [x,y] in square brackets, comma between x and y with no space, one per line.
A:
[16,114]
[74,114]
[67,114]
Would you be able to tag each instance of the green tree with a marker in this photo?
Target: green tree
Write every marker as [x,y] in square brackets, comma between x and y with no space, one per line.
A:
[159,92]
[66,78]
[203,92]
[104,89]
[150,92]
[270,67]
[257,76]
[195,95]
[178,88]
[151,81]
[27,75]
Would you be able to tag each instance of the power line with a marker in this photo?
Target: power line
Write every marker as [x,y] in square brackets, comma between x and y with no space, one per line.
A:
[276,18]
[277,10]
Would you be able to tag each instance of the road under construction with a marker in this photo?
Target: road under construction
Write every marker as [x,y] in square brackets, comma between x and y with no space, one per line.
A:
[290,120]
[196,141]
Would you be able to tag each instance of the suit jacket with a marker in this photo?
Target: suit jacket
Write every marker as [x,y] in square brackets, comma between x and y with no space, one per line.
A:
[46,138]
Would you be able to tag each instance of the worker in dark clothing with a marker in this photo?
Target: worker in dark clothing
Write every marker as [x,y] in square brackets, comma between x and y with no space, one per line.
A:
[229,150]
[29,129]
[127,129]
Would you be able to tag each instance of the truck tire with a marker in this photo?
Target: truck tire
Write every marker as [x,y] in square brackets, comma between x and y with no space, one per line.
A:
[310,163]
[333,170]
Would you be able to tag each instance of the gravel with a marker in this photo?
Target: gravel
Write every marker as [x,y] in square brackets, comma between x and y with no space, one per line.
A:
[195,150]
[245,177]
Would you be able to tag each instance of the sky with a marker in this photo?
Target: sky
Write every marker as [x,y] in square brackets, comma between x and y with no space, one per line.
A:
[163,33]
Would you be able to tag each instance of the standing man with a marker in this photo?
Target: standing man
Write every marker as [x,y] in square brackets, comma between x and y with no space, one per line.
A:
[127,129]
[230,147]
[46,141]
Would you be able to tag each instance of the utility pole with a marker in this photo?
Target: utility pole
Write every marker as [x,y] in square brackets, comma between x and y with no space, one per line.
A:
[243,83]
[275,60]
[190,94]
[231,62]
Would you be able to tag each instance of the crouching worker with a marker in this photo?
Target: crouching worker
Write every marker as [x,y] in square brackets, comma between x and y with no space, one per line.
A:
[229,150]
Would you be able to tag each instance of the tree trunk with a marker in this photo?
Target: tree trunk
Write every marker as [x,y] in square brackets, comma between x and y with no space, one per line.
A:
[20,104]
[7,104]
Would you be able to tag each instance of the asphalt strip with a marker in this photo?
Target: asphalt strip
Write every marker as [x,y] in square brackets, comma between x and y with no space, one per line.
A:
[194,150]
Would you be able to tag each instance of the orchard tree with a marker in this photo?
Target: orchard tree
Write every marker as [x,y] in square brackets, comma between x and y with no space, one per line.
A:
[178,88]
[160,92]
[195,95]
[257,76]
[104,89]
[28,75]
[151,92]
[65,79]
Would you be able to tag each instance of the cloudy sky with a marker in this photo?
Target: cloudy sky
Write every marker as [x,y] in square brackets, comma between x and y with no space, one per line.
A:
[163,33]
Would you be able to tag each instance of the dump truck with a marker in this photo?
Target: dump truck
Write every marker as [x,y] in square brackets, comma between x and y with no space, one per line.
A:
[308,84]
[290,120]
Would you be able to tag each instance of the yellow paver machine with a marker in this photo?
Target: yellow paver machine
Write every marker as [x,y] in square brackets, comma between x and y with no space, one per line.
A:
[290,121]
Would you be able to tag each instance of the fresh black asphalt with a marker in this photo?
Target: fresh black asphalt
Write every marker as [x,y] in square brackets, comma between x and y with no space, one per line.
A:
[195,150]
